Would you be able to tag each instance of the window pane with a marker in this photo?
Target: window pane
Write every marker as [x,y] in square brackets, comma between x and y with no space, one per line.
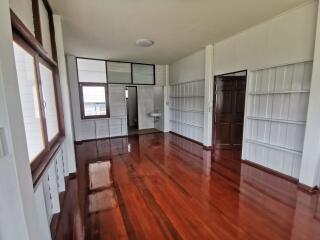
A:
[94,100]
[143,74]
[91,70]
[29,101]
[119,72]
[49,99]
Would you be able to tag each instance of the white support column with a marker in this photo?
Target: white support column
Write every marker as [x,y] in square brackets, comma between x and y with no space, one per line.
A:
[208,95]
[71,160]
[166,93]
[310,165]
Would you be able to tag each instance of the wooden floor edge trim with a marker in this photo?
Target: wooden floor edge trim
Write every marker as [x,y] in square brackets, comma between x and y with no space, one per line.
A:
[308,189]
[189,139]
[114,137]
[273,172]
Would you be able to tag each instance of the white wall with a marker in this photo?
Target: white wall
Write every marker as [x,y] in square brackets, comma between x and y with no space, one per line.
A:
[288,38]
[187,82]
[18,218]
[189,68]
[23,9]
[86,129]
[285,39]
[116,125]
[310,169]
[66,102]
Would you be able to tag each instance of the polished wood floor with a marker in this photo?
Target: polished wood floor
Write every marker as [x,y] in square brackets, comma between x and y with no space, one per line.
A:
[160,186]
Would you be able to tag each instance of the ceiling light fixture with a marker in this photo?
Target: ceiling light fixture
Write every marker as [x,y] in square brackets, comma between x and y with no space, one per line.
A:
[143,42]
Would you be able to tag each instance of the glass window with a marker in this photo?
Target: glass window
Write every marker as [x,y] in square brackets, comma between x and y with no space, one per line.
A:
[143,74]
[29,96]
[119,72]
[91,70]
[94,102]
[49,101]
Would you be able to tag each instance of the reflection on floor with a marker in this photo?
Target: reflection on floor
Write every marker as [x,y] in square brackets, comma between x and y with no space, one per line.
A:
[134,131]
[160,186]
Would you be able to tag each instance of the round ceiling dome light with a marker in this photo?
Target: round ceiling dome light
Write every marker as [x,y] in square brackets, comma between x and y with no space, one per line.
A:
[143,42]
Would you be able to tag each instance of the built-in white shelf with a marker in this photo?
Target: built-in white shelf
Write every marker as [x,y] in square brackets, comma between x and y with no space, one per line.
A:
[279,92]
[277,120]
[189,124]
[268,145]
[186,110]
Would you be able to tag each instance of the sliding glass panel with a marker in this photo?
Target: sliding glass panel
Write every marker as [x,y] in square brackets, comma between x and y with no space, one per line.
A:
[91,70]
[94,101]
[143,74]
[29,96]
[49,101]
[119,72]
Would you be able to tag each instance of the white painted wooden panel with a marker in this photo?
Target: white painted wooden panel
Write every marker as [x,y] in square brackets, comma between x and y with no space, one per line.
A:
[42,212]
[47,195]
[54,191]
[277,102]
[60,171]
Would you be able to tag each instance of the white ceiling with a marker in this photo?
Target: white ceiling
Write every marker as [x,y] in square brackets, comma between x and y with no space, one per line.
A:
[110,28]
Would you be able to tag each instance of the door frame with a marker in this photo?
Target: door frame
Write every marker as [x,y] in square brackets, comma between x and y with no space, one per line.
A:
[136,87]
[213,131]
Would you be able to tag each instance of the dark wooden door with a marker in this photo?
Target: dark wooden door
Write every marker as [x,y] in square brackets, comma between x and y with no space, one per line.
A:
[229,111]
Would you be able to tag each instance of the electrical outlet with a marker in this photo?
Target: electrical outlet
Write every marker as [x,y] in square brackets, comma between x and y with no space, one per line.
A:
[3,144]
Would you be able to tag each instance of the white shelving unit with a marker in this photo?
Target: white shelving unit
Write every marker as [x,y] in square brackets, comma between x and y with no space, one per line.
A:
[276,111]
[186,109]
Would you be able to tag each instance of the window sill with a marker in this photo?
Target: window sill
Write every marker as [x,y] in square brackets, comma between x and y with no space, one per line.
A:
[38,172]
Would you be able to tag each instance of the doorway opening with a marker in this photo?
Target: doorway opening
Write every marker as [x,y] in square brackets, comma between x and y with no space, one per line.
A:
[132,109]
[228,114]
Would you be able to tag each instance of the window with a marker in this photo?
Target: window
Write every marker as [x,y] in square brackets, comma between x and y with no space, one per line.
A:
[49,101]
[143,74]
[38,100]
[39,88]
[93,88]
[93,100]
[119,72]
[29,96]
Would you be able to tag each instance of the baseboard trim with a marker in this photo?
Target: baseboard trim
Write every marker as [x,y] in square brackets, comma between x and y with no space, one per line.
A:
[73,175]
[99,139]
[271,171]
[207,148]
[308,189]
[114,137]
[189,139]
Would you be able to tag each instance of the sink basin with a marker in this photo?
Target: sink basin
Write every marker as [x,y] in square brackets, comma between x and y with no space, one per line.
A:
[155,115]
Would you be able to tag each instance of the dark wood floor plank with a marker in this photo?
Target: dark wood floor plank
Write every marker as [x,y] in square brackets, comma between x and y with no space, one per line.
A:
[167,187]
